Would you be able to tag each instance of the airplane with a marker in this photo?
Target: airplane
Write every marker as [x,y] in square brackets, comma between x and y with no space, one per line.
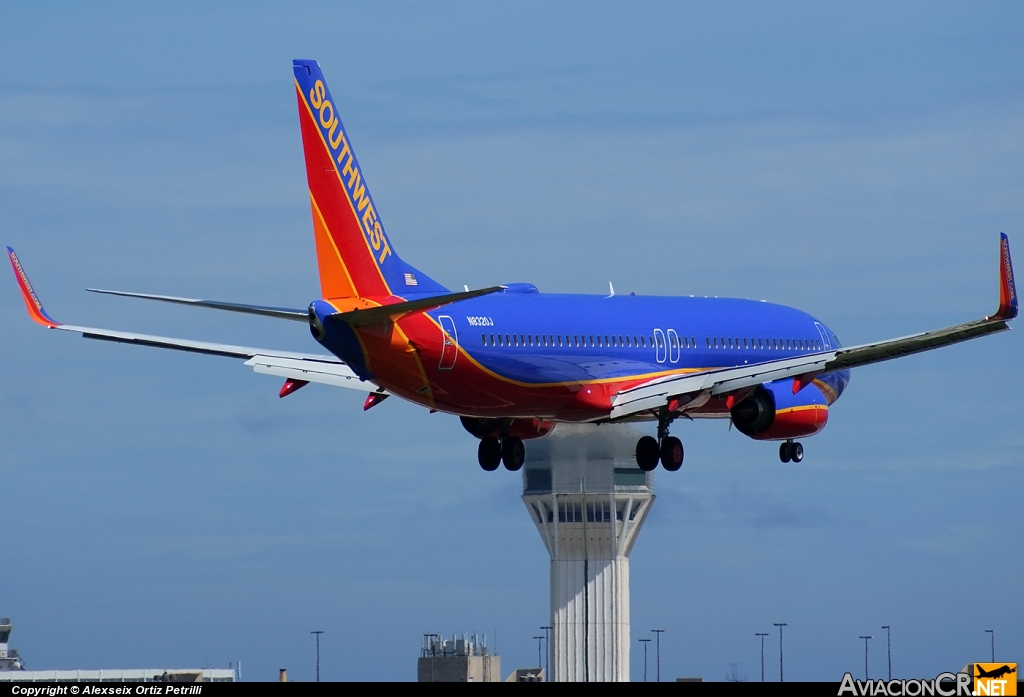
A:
[995,672]
[513,362]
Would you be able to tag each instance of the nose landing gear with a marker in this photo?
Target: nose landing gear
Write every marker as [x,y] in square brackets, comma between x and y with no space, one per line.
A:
[791,450]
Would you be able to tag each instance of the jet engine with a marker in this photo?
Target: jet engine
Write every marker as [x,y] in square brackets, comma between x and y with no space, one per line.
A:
[773,412]
[755,414]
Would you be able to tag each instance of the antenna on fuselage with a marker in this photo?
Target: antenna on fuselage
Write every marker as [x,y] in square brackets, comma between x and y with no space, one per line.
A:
[611,289]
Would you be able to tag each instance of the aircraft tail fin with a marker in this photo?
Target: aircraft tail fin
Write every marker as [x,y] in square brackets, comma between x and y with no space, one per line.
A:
[355,257]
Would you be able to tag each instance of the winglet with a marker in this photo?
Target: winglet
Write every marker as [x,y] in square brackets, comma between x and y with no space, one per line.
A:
[35,308]
[1007,290]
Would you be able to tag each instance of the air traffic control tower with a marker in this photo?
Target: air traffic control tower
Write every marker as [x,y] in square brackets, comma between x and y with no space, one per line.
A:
[588,500]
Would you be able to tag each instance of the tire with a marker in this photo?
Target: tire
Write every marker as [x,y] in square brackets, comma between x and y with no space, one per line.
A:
[647,453]
[672,454]
[488,454]
[784,452]
[513,454]
[796,452]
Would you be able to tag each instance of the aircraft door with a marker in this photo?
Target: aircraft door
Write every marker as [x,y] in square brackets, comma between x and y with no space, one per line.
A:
[659,346]
[673,346]
[449,343]
[824,336]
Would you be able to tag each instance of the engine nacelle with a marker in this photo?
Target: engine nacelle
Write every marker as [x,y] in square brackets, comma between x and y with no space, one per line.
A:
[794,415]
[755,414]
[796,423]
[524,429]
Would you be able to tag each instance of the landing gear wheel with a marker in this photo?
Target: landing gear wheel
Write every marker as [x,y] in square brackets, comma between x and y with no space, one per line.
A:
[513,453]
[647,453]
[488,454]
[784,452]
[796,452]
[671,453]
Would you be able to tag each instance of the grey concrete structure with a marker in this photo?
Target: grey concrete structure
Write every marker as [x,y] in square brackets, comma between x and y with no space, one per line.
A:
[588,500]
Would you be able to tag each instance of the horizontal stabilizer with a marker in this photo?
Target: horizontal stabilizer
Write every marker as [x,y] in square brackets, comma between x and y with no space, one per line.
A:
[277,312]
[389,313]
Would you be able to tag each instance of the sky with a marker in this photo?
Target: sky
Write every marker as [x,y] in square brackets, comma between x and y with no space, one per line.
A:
[854,160]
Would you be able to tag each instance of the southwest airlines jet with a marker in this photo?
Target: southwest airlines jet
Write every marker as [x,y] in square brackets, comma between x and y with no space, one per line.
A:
[512,362]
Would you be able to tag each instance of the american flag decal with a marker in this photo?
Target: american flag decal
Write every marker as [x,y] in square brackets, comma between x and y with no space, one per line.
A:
[410,280]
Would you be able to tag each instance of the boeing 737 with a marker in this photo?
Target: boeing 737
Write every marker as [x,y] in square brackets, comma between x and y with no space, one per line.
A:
[513,362]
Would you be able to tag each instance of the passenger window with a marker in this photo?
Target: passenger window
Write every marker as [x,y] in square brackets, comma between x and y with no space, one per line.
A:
[708,341]
[745,343]
[492,339]
[483,339]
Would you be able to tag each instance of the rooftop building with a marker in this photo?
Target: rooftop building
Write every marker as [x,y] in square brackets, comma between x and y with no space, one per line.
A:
[458,659]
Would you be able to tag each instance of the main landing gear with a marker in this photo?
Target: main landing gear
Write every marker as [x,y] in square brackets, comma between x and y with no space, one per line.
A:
[791,451]
[666,449]
[493,452]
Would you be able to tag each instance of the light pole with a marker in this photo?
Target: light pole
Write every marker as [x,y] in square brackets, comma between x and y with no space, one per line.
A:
[762,635]
[540,639]
[992,636]
[888,647]
[865,638]
[780,625]
[657,650]
[547,654]
[318,632]
[645,642]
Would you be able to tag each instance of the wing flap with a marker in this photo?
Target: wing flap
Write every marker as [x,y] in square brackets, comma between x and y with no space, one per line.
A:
[327,373]
[657,393]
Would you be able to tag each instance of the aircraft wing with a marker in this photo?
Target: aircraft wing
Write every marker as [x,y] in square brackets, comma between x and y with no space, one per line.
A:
[276,312]
[658,393]
[305,367]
